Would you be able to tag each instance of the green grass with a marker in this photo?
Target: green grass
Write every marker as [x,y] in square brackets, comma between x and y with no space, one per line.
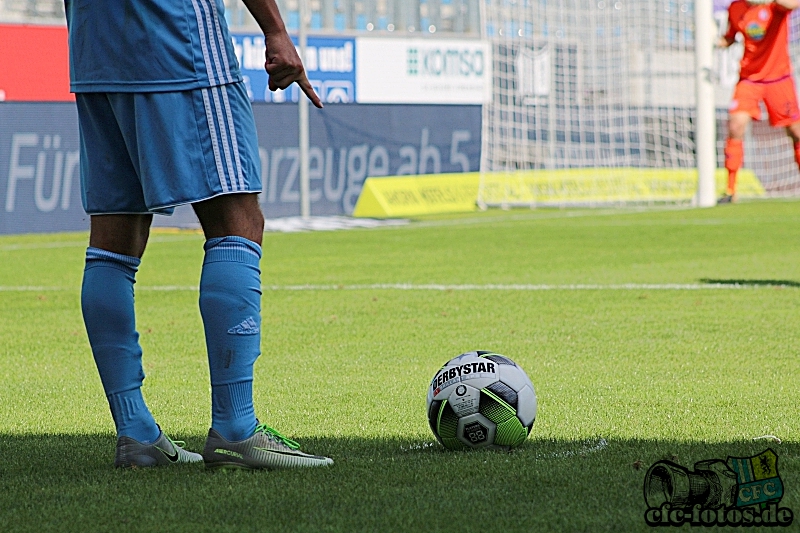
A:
[682,374]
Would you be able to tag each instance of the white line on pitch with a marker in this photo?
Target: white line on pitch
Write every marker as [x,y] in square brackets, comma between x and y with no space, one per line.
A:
[586,449]
[520,287]
[443,287]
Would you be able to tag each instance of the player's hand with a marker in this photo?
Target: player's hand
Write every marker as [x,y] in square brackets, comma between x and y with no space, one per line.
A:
[284,66]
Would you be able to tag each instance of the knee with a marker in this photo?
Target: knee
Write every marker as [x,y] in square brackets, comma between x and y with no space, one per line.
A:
[257,221]
[250,224]
[793,131]
[737,125]
[736,130]
[232,215]
[121,234]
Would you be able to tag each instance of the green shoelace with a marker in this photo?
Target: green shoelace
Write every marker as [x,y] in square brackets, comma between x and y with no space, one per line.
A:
[275,434]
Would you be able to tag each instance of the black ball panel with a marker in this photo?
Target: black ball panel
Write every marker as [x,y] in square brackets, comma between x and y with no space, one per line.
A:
[433,414]
[504,392]
[497,358]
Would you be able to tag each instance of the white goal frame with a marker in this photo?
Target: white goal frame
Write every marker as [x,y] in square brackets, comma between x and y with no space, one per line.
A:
[550,73]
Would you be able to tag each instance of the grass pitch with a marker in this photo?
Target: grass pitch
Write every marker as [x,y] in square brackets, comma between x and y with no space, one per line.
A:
[648,335]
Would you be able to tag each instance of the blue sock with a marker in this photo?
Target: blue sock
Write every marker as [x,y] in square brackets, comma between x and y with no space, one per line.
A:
[232,411]
[108,313]
[230,304]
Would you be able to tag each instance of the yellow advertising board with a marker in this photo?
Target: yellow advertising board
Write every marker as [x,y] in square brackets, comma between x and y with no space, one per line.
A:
[403,196]
[417,195]
[586,186]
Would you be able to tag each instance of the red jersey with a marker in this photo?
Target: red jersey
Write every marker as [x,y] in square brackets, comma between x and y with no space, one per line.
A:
[766,39]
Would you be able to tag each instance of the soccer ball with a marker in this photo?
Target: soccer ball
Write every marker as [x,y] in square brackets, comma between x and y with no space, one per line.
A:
[481,400]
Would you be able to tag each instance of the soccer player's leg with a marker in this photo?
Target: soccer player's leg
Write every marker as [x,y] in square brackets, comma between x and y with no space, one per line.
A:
[230,304]
[116,244]
[781,102]
[226,203]
[743,108]
[793,130]
[734,152]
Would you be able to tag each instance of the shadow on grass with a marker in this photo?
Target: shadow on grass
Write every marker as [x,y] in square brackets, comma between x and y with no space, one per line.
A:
[67,483]
[753,282]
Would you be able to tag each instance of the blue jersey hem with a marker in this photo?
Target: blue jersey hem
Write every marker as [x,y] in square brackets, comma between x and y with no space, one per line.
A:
[168,209]
[145,87]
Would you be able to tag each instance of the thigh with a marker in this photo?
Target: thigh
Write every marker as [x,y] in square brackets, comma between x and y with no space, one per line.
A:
[780,98]
[746,99]
[109,173]
[196,145]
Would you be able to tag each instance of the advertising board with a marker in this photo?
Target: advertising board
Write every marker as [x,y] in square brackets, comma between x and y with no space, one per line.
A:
[40,172]
[423,71]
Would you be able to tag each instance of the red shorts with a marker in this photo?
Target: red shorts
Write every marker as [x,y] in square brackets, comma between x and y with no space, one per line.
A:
[779,96]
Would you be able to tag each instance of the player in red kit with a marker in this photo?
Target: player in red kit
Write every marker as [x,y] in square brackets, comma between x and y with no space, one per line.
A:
[765,75]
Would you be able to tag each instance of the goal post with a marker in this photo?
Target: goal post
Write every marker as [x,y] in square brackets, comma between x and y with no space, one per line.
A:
[598,102]
[705,131]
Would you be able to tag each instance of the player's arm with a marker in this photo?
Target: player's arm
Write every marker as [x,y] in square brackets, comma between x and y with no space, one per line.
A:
[725,42]
[283,65]
[730,34]
[728,39]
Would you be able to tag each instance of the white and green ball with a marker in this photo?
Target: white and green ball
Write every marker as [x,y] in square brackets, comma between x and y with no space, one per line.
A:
[481,400]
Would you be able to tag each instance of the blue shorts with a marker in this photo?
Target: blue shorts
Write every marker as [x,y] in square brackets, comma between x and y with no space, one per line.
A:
[148,152]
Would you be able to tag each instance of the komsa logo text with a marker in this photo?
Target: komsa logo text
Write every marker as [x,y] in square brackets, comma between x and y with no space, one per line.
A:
[445,62]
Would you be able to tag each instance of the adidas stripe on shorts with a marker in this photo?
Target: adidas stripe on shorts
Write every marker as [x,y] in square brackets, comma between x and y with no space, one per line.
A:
[148,152]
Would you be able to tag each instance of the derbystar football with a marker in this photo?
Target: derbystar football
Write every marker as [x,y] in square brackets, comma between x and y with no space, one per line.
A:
[481,400]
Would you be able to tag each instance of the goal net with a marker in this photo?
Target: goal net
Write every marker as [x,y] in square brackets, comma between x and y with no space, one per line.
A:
[593,103]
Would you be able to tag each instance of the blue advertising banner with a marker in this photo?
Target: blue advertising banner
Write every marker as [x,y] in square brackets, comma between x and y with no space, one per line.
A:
[40,173]
[39,168]
[349,143]
[330,64]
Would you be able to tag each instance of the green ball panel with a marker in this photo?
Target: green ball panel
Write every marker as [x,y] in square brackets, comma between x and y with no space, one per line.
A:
[510,433]
[447,423]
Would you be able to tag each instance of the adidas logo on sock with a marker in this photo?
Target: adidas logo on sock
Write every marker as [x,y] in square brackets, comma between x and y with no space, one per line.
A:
[247,327]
